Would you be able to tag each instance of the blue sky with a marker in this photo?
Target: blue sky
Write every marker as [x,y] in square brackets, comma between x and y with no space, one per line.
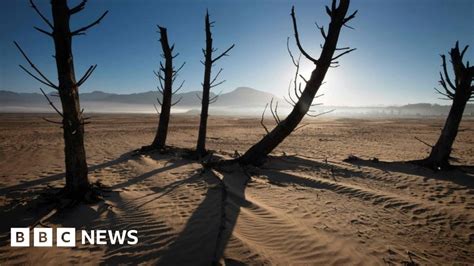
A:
[396,62]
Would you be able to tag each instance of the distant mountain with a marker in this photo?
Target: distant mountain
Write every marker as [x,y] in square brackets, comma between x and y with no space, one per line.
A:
[95,96]
[98,100]
[244,97]
[242,100]
[241,96]
[13,97]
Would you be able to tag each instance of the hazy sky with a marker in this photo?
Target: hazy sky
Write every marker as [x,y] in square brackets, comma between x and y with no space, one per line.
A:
[396,62]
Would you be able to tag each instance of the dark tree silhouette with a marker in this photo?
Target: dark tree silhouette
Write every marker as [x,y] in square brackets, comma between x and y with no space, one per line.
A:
[77,182]
[166,76]
[207,85]
[337,13]
[460,92]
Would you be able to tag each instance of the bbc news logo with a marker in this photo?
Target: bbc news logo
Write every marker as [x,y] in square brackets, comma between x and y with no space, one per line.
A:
[66,237]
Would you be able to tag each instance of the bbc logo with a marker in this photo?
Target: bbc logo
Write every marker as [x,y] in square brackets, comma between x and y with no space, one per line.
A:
[42,237]
[66,237]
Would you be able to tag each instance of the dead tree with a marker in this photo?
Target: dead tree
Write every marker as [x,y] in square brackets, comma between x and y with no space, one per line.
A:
[207,85]
[461,91]
[304,98]
[166,76]
[77,182]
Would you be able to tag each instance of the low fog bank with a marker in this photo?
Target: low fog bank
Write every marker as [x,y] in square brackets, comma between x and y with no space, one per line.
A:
[242,101]
[408,111]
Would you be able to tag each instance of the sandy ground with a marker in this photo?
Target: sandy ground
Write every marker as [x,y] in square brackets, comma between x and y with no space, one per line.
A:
[304,206]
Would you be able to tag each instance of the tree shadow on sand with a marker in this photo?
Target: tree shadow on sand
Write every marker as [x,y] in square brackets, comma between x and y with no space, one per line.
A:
[462,175]
[24,204]
[328,169]
[27,203]
[209,228]
[43,180]
[201,241]
[154,233]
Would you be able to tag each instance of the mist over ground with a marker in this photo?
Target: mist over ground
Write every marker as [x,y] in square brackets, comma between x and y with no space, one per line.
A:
[242,101]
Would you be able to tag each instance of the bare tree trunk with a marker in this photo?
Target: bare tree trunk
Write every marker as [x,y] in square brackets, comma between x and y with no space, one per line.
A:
[258,152]
[76,166]
[167,91]
[460,92]
[206,87]
[166,76]
[440,154]
[77,182]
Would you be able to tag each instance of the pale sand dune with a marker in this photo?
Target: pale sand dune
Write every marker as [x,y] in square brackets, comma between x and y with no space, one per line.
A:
[306,206]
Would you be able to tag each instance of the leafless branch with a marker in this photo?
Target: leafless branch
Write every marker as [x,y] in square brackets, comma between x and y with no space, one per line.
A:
[274,111]
[328,11]
[291,97]
[298,43]
[51,103]
[86,75]
[427,144]
[223,54]
[156,73]
[290,101]
[214,99]
[175,73]
[217,84]
[43,31]
[179,100]
[261,120]
[321,29]
[305,81]
[78,8]
[343,53]
[160,90]
[463,51]
[35,77]
[317,96]
[156,109]
[320,114]
[446,75]
[350,17]
[449,96]
[179,88]
[52,121]
[82,30]
[217,75]
[41,15]
[347,26]
[295,63]
[160,79]
[45,80]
